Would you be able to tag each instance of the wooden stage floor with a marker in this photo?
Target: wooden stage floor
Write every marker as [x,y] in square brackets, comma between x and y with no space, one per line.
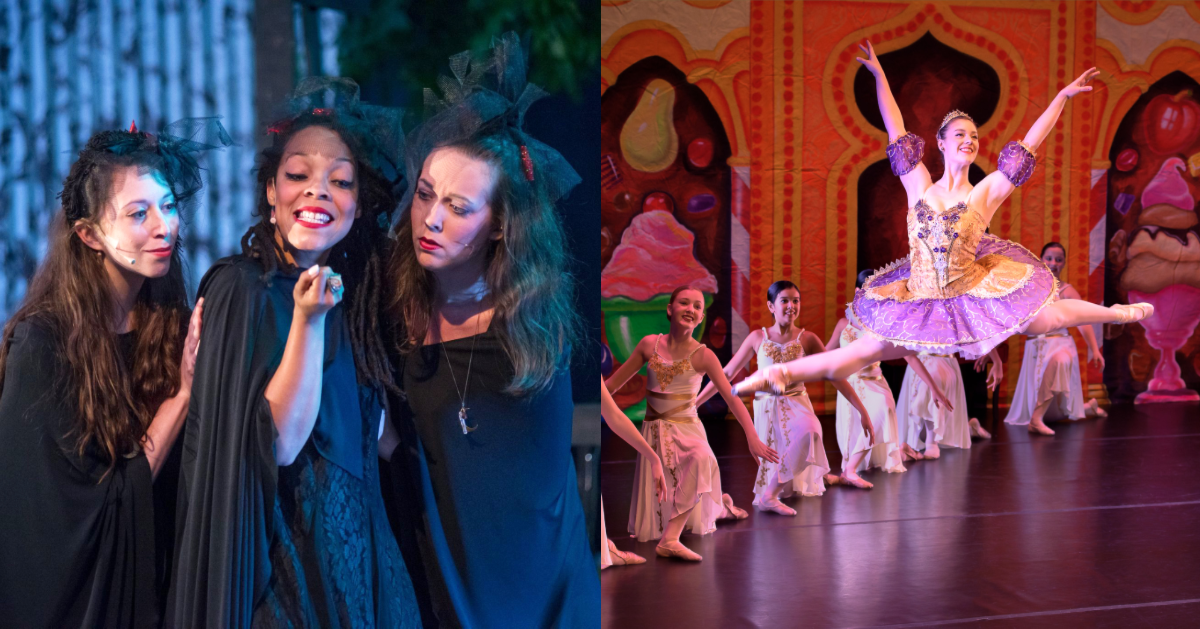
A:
[1098,526]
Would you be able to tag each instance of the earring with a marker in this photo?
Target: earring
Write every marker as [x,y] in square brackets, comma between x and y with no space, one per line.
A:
[272,220]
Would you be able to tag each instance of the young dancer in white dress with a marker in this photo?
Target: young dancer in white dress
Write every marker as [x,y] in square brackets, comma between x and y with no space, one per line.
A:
[787,422]
[960,290]
[621,425]
[920,415]
[1049,386]
[889,451]
[677,365]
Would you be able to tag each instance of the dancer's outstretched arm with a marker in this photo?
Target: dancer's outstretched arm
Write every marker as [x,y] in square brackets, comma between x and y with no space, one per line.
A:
[835,339]
[996,187]
[916,181]
[640,355]
[624,428]
[939,396]
[735,364]
[1089,335]
[706,362]
[812,345]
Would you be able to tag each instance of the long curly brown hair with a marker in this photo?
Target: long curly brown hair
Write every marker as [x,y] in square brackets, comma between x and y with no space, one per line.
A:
[526,272]
[358,257]
[71,294]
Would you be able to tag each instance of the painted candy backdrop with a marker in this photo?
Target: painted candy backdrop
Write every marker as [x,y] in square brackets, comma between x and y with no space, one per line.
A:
[741,144]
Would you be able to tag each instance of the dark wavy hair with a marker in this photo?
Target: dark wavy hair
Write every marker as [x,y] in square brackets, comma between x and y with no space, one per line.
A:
[1051,245]
[358,257]
[526,271]
[71,294]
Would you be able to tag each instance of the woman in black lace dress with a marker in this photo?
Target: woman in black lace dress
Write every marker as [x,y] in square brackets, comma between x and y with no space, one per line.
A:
[282,521]
[487,312]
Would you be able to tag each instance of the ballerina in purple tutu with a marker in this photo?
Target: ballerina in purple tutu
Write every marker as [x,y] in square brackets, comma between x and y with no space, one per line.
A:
[960,290]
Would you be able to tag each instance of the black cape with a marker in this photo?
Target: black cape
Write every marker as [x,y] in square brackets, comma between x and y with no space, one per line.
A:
[257,542]
[77,540]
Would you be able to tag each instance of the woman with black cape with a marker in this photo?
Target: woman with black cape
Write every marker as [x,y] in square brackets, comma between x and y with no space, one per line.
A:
[95,377]
[487,312]
[282,521]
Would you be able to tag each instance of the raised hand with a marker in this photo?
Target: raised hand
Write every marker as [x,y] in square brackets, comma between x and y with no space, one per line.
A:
[871,62]
[313,298]
[191,345]
[1080,84]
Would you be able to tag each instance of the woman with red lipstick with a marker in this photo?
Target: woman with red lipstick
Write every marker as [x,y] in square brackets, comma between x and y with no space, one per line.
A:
[482,290]
[95,378]
[1049,386]
[283,523]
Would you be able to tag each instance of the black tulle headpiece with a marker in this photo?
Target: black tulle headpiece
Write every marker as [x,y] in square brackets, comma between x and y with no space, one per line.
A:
[488,97]
[178,146]
[376,129]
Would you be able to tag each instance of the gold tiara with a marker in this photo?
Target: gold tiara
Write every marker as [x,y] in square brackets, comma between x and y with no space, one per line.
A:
[955,114]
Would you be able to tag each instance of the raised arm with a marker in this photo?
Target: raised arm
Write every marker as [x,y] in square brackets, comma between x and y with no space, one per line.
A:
[168,419]
[836,338]
[706,362]
[631,366]
[904,149]
[736,364]
[1017,159]
[294,392]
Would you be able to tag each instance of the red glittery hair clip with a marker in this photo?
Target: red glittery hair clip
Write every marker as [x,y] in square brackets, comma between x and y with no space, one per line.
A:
[321,111]
[132,126]
[526,163]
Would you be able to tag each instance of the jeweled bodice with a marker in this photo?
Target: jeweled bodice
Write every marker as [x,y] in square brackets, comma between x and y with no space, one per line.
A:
[941,245]
[772,353]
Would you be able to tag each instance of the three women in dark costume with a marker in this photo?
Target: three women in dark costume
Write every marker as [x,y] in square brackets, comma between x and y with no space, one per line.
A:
[451,339]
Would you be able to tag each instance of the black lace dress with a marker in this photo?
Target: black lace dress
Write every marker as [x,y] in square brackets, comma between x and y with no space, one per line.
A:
[303,545]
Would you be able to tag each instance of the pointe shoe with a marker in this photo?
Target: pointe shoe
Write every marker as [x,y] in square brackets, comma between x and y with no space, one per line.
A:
[907,453]
[932,451]
[771,380]
[682,552]
[732,511]
[775,506]
[977,429]
[1133,312]
[1040,429]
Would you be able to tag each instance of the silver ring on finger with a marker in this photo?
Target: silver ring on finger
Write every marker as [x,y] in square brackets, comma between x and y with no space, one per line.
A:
[335,285]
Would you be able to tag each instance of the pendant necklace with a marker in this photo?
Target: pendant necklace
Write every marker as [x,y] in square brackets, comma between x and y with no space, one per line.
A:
[462,393]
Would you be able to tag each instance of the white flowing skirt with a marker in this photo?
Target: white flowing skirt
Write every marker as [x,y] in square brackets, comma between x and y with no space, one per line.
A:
[789,426]
[916,407]
[1049,372]
[876,396]
[605,557]
[693,481]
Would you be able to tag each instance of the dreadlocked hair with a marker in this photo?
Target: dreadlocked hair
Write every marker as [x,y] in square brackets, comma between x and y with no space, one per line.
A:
[71,296]
[358,257]
[526,271]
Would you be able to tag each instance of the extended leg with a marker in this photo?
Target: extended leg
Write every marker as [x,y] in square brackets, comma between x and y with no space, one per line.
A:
[1069,313]
[832,365]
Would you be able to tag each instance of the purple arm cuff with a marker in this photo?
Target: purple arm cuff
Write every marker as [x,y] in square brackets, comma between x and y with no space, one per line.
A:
[1017,162]
[905,153]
